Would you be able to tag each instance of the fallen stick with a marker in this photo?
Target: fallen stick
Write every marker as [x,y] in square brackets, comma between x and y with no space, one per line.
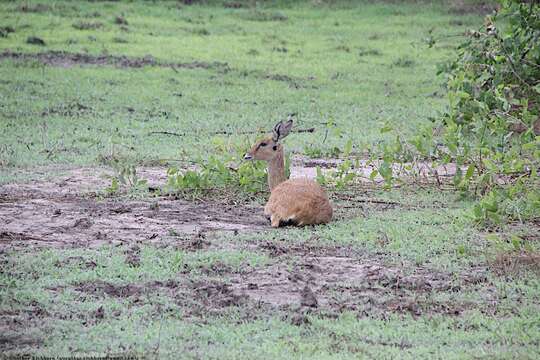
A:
[309,130]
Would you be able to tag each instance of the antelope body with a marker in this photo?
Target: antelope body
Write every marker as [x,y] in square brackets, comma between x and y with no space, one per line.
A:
[294,201]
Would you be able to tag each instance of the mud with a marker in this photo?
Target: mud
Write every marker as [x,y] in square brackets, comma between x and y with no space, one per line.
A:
[65,212]
[339,283]
[67,60]
[325,285]
[73,210]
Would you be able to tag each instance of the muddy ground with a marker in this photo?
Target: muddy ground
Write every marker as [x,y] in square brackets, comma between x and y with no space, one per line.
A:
[68,212]
[66,60]
[71,211]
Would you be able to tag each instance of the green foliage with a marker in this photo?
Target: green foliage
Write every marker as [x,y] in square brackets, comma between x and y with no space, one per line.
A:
[490,131]
[126,176]
[227,170]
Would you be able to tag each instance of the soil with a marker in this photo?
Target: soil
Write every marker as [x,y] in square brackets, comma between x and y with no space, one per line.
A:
[338,283]
[464,7]
[66,60]
[72,210]
[65,212]
[420,172]
[322,284]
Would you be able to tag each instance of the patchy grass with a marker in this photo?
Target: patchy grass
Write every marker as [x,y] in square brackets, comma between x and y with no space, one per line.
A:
[124,105]
[400,273]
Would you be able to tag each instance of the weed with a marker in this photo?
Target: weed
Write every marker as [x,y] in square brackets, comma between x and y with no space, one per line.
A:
[220,172]
[496,161]
[404,62]
[126,176]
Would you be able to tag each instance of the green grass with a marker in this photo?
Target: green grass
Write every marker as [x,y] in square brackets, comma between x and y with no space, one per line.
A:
[358,65]
[76,115]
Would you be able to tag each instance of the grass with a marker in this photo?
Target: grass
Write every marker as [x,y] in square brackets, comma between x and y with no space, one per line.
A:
[80,113]
[408,276]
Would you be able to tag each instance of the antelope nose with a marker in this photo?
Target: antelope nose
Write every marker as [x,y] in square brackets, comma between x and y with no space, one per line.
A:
[248,157]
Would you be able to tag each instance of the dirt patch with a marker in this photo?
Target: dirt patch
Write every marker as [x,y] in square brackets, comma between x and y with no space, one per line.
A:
[196,297]
[34,8]
[72,210]
[15,323]
[65,212]
[337,283]
[66,60]
[326,285]
[71,109]
[418,172]
[296,83]
[102,288]
[12,341]
[74,222]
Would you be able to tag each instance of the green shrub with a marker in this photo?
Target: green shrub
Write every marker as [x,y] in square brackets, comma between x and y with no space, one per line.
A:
[492,126]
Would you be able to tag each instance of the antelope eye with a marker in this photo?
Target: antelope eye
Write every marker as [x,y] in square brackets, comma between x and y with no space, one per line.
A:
[264,144]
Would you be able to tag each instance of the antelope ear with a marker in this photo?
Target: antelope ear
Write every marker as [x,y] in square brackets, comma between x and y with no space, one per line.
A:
[282,129]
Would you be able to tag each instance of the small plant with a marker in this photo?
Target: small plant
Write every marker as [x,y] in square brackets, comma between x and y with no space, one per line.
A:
[404,62]
[225,171]
[126,176]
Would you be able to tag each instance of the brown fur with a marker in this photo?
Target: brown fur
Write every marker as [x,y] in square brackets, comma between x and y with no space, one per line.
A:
[296,201]
[299,202]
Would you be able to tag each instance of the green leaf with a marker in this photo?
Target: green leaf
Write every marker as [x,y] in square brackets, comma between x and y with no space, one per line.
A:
[348,148]
[386,128]
[470,172]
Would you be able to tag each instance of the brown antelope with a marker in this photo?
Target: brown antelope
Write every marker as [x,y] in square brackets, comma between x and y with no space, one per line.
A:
[295,201]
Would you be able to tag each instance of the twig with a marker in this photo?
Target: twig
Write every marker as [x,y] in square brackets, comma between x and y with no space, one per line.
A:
[308,130]
[165,133]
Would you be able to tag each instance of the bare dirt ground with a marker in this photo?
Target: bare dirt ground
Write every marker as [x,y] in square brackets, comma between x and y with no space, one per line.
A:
[66,212]
[66,60]
[71,211]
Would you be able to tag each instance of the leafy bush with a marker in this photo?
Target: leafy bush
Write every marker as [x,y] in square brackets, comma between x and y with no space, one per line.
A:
[490,131]
[226,171]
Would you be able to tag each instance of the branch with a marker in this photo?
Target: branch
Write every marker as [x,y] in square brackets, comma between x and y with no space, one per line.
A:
[309,130]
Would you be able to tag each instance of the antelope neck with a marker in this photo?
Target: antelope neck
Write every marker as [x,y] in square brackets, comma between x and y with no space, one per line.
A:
[276,170]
